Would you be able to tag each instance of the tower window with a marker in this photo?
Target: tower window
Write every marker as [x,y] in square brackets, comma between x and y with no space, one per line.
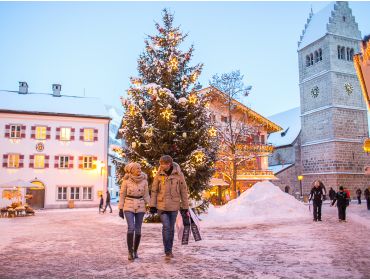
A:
[308,61]
[341,52]
[320,54]
[344,18]
[316,56]
[311,58]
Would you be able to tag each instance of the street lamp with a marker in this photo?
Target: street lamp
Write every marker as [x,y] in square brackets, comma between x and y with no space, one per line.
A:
[300,178]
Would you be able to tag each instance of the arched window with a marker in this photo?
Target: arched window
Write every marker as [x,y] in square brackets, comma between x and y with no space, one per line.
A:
[348,50]
[351,54]
[311,58]
[338,52]
[343,53]
[316,56]
[308,61]
[320,54]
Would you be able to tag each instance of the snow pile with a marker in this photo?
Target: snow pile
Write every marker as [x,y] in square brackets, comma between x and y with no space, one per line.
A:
[263,202]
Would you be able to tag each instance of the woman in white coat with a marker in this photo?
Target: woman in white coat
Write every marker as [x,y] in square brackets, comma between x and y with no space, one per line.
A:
[134,195]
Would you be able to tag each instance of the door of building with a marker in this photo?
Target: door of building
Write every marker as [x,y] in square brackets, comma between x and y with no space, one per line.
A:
[37,200]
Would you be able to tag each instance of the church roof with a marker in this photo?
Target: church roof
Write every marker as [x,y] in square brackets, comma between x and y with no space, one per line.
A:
[290,121]
[44,103]
[316,26]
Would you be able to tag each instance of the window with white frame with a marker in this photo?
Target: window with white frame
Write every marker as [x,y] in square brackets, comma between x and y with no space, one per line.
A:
[39,161]
[15,131]
[88,134]
[87,193]
[75,193]
[65,133]
[63,161]
[40,132]
[62,193]
[88,162]
[13,160]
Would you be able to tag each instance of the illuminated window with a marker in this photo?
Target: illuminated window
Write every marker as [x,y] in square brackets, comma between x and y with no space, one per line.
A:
[15,131]
[86,193]
[39,161]
[88,134]
[41,132]
[88,162]
[75,193]
[13,160]
[62,193]
[63,161]
[65,134]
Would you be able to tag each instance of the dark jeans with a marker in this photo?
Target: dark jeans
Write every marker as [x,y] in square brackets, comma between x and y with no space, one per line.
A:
[168,219]
[134,222]
[317,210]
[359,199]
[106,205]
[368,203]
[100,207]
[342,212]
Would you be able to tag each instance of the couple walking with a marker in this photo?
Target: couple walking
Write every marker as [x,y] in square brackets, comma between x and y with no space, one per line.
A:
[169,194]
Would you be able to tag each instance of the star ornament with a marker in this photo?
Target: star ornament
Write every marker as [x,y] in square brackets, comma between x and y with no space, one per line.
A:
[212,132]
[193,99]
[174,63]
[199,157]
[166,114]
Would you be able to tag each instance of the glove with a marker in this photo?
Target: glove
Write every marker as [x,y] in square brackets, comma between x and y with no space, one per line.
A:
[121,214]
[153,210]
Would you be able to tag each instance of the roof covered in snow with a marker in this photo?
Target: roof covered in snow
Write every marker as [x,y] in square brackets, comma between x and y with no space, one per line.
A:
[316,26]
[290,121]
[278,168]
[43,103]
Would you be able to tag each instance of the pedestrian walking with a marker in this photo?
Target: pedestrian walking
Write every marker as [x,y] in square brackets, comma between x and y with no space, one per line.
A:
[134,194]
[317,196]
[341,198]
[358,194]
[367,197]
[169,194]
[107,203]
[101,203]
[331,194]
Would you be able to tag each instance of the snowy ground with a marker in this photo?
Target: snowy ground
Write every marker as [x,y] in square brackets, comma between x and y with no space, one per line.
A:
[80,243]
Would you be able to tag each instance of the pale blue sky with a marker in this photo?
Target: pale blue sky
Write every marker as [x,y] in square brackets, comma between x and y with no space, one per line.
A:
[95,45]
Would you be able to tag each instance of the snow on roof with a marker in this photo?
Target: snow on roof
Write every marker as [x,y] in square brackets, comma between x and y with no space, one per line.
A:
[48,104]
[316,27]
[278,168]
[263,202]
[290,121]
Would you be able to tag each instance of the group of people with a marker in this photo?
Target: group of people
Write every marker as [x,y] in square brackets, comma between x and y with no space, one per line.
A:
[342,198]
[169,194]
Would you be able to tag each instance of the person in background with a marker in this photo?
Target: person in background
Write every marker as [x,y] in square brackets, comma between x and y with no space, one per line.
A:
[101,203]
[317,196]
[341,198]
[107,203]
[367,197]
[331,194]
[358,193]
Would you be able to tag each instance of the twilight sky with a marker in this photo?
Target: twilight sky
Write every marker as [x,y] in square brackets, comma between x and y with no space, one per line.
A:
[92,47]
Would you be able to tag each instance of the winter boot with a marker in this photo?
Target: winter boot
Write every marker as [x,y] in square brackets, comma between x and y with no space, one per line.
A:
[136,245]
[130,243]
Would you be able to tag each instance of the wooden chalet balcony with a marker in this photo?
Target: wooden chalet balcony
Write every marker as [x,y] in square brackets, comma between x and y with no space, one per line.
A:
[255,175]
[256,148]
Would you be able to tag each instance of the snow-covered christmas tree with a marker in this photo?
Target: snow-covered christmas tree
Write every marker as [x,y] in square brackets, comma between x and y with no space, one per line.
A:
[165,114]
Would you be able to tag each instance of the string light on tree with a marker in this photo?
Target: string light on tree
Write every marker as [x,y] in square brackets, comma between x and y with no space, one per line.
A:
[212,132]
[167,114]
[174,63]
[199,156]
[193,98]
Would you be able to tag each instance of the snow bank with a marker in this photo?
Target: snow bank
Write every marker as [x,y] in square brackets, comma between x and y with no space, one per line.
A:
[264,202]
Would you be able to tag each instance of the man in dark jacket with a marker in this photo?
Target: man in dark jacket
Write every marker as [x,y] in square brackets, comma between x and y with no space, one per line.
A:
[367,197]
[331,194]
[341,198]
[107,203]
[317,196]
[358,193]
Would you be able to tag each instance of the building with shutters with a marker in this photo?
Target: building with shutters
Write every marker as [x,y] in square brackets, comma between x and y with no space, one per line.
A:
[56,141]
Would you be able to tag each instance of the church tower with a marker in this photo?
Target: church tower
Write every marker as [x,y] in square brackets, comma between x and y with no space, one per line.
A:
[333,112]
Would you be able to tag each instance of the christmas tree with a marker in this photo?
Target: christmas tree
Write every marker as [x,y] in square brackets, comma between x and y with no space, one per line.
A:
[165,113]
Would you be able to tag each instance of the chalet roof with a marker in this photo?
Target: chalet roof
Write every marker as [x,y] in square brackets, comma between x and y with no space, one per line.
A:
[270,125]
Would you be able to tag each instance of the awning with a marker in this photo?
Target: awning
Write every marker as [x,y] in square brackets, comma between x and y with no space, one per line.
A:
[19,184]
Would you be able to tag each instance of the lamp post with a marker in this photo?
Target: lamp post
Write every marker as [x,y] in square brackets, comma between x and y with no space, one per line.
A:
[300,178]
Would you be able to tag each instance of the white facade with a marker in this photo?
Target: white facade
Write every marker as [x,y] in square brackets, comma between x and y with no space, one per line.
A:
[83,177]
